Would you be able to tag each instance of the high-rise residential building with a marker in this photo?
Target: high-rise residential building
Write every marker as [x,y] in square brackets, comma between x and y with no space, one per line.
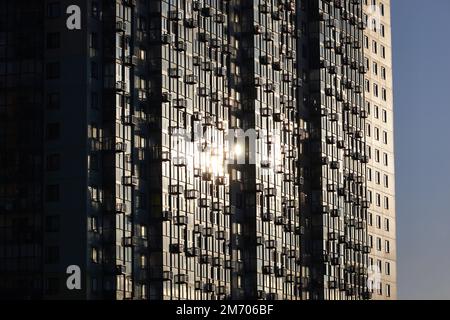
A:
[380,141]
[51,100]
[21,144]
[211,149]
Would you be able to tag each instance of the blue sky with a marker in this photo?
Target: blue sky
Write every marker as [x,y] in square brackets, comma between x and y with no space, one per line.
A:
[421,44]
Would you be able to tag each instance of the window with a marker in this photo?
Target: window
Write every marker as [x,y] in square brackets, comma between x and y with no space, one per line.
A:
[143,232]
[376,112]
[377,177]
[384,94]
[142,54]
[143,292]
[142,23]
[52,223]
[388,290]
[385,137]
[379,222]
[378,200]
[383,73]
[52,193]
[53,162]
[386,203]
[53,41]
[52,70]
[384,117]
[386,224]
[385,159]
[53,131]
[95,193]
[53,101]
[387,268]
[374,25]
[141,201]
[93,162]
[93,224]
[53,10]
[94,131]
[379,244]
[143,261]
[377,155]
[94,255]
[387,246]
[375,89]
[386,181]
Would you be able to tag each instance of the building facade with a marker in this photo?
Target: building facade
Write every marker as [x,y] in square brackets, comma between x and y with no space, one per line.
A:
[380,140]
[214,149]
[21,149]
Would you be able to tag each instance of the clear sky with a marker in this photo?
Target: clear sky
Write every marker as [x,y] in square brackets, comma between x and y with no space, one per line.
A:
[421,44]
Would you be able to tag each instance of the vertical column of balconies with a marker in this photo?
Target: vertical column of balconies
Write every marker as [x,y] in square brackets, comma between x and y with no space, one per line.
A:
[119,129]
[289,224]
[125,179]
[337,137]
[155,42]
[242,173]
[136,122]
[267,206]
[354,174]
[134,133]
[306,152]
[270,217]
[210,51]
[141,121]
[195,193]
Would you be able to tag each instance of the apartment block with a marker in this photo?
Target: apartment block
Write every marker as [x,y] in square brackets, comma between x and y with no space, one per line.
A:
[202,150]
